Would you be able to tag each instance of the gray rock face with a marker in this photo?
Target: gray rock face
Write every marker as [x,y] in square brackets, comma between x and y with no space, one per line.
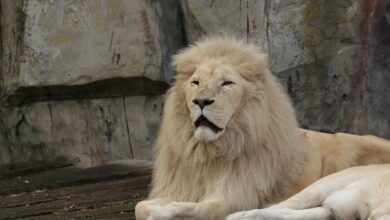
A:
[94,130]
[86,78]
[244,19]
[77,42]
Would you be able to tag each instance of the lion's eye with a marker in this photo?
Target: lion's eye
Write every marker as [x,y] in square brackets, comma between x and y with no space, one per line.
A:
[195,82]
[226,83]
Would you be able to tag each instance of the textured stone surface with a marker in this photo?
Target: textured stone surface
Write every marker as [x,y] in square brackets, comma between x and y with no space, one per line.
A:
[302,33]
[75,42]
[143,117]
[378,81]
[244,19]
[93,130]
[315,48]
[86,78]
[66,43]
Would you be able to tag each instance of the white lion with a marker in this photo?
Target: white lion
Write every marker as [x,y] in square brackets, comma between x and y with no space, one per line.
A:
[229,141]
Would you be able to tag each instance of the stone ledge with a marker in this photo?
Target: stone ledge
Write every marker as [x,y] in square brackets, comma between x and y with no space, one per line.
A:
[109,88]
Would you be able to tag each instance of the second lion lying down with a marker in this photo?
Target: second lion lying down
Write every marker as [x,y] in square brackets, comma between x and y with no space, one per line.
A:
[229,141]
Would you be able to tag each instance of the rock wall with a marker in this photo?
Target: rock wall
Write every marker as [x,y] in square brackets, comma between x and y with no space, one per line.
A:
[86,78]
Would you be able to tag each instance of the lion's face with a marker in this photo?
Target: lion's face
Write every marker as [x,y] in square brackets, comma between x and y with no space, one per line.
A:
[213,95]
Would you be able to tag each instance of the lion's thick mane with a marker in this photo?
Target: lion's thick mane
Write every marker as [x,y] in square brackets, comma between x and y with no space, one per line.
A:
[259,153]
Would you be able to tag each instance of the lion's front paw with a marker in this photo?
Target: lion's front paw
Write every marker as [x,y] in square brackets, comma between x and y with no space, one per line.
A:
[162,214]
[175,211]
[144,209]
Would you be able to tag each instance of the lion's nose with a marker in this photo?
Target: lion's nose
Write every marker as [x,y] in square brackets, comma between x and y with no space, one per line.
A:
[202,102]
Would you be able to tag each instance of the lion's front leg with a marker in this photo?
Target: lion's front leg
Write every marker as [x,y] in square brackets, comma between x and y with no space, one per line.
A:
[279,213]
[205,210]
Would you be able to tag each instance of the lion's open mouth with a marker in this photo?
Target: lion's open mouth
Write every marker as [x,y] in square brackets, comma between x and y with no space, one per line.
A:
[203,121]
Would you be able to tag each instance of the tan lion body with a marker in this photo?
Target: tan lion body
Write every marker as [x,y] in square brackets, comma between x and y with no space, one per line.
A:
[247,151]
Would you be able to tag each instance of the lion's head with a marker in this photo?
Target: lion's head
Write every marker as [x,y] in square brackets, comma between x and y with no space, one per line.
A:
[224,99]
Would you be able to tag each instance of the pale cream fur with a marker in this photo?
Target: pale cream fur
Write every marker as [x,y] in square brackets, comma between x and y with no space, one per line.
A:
[259,157]
[361,192]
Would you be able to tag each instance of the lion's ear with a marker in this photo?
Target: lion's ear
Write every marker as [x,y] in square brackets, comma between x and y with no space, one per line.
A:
[261,61]
[254,68]
[185,64]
